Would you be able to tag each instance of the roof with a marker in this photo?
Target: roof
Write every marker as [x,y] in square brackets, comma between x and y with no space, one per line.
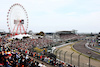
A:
[1,30]
[20,36]
[63,31]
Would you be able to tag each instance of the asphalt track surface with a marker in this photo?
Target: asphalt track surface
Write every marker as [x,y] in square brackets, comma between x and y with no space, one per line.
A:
[80,46]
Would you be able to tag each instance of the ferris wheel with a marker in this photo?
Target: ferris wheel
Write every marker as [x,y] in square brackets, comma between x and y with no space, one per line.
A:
[17,19]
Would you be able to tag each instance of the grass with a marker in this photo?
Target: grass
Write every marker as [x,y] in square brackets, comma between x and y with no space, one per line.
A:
[82,54]
[97,47]
[71,45]
[96,52]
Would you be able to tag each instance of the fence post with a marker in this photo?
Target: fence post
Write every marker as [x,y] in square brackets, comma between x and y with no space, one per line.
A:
[89,60]
[71,57]
[79,59]
[65,55]
[56,51]
[59,54]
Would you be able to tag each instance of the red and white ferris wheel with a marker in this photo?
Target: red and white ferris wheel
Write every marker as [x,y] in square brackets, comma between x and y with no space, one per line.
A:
[17,19]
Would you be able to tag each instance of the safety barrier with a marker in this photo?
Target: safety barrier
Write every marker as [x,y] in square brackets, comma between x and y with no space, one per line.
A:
[86,45]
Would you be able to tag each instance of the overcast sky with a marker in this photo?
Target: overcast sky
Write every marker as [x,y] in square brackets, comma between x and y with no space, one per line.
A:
[56,15]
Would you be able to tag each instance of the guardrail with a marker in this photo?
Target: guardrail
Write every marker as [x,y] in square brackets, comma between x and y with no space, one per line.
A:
[54,48]
[86,45]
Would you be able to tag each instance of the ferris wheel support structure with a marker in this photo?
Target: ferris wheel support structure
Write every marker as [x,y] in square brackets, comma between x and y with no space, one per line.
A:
[17,19]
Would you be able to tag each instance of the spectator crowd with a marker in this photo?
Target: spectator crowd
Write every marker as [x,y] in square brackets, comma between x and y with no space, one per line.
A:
[16,53]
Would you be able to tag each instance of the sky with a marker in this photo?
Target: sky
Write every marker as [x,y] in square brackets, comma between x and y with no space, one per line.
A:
[57,15]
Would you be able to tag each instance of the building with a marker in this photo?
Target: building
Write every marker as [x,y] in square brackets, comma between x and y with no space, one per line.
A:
[2,32]
[98,39]
[66,32]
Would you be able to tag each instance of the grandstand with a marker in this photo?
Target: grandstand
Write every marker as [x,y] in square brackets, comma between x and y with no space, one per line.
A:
[66,32]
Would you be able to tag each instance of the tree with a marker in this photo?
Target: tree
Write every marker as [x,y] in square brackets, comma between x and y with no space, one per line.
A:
[41,33]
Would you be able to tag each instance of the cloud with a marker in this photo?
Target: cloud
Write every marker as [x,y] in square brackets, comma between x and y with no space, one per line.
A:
[52,15]
[71,13]
[82,23]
